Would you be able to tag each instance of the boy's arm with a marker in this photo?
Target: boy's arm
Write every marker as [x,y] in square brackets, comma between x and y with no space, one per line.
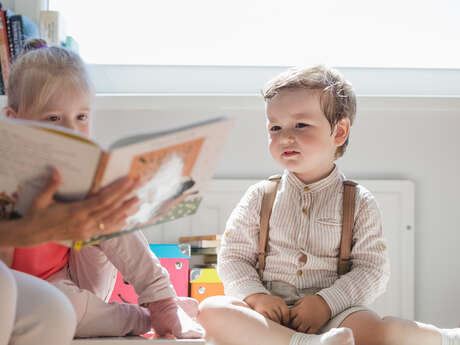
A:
[370,270]
[238,253]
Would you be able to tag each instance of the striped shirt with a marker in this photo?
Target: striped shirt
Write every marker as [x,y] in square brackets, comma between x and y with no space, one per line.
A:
[306,220]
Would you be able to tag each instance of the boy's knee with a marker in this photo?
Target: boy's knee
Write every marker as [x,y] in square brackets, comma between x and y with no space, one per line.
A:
[387,330]
[218,302]
[215,309]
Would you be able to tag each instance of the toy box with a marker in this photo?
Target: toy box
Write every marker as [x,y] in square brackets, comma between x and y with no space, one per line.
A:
[204,282]
[174,258]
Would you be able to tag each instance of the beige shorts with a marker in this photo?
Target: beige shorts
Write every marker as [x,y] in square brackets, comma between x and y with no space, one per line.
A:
[290,294]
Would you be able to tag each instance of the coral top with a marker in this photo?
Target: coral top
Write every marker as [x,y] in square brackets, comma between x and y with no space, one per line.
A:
[41,261]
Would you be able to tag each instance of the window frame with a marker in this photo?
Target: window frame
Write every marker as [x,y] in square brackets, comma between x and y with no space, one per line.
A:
[249,80]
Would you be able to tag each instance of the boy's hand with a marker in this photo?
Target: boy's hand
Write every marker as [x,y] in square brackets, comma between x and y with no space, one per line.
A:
[309,314]
[272,307]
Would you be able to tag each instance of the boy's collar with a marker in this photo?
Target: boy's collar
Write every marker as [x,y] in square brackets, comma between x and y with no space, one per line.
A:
[313,187]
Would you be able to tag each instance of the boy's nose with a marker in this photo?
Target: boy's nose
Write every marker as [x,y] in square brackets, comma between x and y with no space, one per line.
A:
[288,138]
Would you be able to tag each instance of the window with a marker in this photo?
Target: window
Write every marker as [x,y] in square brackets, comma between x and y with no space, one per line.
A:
[212,46]
[355,33]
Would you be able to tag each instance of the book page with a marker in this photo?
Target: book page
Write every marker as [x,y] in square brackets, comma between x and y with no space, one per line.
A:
[26,155]
[174,169]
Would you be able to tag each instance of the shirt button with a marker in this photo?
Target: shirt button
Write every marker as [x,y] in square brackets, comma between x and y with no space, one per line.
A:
[299,273]
[305,210]
[303,259]
[227,233]
[306,189]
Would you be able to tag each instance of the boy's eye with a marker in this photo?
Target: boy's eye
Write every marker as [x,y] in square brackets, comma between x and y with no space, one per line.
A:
[301,125]
[82,117]
[52,118]
[275,128]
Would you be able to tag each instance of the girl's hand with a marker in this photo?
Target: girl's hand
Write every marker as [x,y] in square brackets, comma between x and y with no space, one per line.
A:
[272,307]
[168,318]
[104,212]
[309,314]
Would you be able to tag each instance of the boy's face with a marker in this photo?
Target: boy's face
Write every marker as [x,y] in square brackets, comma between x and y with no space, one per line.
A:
[67,109]
[300,136]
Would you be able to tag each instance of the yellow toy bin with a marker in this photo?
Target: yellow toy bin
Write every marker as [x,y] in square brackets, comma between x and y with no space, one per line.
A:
[204,282]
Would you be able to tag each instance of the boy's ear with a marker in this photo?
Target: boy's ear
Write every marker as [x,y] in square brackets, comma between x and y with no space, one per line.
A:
[11,113]
[342,129]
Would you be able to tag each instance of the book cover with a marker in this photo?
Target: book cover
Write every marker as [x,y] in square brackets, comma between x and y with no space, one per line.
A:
[204,243]
[52,27]
[174,167]
[9,33]
[205,251]
[214,237]
[5,60]
[17,34]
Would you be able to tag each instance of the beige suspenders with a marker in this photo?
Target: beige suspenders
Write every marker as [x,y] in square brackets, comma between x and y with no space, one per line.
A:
[349,192]
[270,189]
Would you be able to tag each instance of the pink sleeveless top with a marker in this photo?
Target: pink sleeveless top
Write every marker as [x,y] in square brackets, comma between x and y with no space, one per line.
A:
[41,261]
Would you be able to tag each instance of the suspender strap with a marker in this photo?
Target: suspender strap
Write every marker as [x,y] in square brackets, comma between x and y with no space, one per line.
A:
[270,189]
[349,192]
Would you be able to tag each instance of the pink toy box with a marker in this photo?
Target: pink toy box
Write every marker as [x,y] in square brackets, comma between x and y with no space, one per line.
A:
[174,257]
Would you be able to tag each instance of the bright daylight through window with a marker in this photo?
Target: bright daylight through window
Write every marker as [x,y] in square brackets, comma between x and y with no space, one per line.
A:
[359,33]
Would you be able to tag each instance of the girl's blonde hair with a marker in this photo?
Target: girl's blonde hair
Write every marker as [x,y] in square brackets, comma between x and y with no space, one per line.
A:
[40,72]
[337,98]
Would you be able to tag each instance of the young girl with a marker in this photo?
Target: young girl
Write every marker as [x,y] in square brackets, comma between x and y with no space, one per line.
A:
[299,294]
[51,84]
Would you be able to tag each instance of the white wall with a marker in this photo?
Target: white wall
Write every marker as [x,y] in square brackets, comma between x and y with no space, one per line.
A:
[393,138]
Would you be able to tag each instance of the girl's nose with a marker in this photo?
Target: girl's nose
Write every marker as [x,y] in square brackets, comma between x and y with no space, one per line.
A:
[69,124]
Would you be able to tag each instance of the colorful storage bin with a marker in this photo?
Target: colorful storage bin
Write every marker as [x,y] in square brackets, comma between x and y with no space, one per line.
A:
[204,282]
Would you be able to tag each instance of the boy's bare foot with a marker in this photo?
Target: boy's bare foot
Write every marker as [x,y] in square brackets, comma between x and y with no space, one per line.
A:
[450,336]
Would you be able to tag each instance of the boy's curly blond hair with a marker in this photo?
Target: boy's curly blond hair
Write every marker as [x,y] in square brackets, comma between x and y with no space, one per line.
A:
[338,99]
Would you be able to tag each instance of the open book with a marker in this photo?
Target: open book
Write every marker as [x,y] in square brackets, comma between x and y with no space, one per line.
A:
[173,165]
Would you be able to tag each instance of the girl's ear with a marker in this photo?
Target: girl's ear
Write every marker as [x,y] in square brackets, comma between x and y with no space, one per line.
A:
[11,113]
[342,129]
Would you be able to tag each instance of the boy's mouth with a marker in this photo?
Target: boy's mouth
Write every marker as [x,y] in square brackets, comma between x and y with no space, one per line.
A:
[289,153]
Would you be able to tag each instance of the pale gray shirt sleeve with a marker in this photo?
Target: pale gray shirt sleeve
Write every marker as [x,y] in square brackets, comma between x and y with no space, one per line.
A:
[370,270]
[237,257]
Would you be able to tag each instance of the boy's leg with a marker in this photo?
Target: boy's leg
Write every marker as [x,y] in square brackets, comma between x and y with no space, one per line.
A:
[369,329]
[229,321]
[98,318]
